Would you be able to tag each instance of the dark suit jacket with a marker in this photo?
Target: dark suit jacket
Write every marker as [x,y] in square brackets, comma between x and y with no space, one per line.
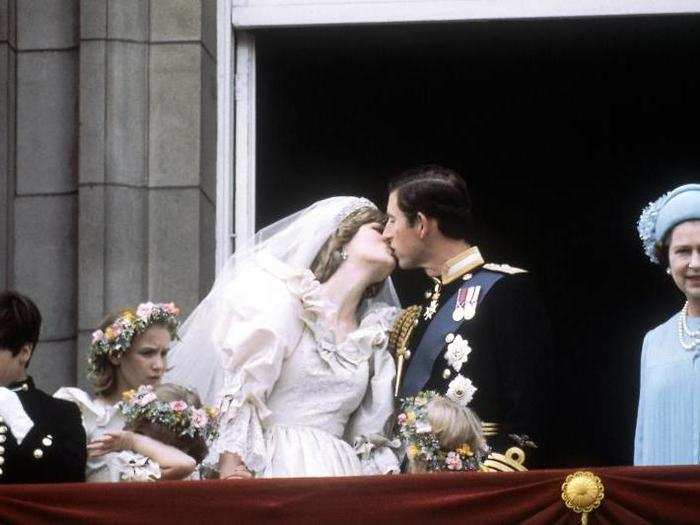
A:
[510,340]
[54,449]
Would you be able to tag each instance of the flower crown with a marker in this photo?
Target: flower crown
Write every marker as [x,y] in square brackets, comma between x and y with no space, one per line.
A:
[177,416]
[421,443]
[116,339]
[646,226]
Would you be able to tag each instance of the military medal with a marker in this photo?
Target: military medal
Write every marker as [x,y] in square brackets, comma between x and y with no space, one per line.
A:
[472,300]
[458,314]
[467,299]
[431,309]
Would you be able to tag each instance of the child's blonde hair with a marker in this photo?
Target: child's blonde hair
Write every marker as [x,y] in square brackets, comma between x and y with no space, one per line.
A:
[454,426]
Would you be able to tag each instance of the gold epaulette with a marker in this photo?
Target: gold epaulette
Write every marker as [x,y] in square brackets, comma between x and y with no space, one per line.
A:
[503,268]
[403,326]
[512,461]
[398,339]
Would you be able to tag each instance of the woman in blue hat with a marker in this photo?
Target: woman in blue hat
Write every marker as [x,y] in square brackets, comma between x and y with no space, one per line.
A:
[668,419]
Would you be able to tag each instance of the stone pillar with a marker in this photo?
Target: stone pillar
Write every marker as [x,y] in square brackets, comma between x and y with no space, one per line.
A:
[147,156]
[107,162]
[38,186]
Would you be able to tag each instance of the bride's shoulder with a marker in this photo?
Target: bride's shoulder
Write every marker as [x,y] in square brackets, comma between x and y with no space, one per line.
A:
[381,315]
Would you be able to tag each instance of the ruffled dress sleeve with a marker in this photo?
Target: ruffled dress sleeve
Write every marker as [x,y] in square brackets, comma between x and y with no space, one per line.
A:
[259,331]
[136,467]
[98,417]
[370,426]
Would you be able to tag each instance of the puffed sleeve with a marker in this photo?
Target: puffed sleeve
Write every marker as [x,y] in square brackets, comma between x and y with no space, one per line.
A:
[641,409]
[254,337]
[96,418]
[369,427]
[136,467]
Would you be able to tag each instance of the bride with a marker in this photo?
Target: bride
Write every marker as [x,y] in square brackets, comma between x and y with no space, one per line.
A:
[291,342]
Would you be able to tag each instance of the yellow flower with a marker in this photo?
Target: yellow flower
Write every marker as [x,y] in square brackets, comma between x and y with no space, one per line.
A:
[465,450]
[212,412]
[129,316]
[411,451]
[110,334]
[411,416]
[128,394]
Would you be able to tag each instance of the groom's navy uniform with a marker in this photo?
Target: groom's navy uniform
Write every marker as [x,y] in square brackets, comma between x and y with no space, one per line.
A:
[482,338]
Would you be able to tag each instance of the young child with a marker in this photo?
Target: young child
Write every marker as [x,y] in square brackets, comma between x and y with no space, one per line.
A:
[440,435]
[164,438]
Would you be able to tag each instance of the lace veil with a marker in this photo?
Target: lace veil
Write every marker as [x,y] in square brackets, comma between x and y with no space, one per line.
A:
[294,240]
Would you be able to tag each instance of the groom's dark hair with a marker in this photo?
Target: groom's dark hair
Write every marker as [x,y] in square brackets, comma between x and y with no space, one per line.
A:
[439,193]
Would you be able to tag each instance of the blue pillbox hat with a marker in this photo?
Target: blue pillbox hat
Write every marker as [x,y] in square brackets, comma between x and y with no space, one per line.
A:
[659,217]
[682,204]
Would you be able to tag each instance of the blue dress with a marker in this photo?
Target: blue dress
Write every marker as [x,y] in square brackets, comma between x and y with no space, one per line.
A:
[668,419]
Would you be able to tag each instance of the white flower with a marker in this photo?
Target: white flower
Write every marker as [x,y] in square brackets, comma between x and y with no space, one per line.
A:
[461,390]
[423,427]
[458,352]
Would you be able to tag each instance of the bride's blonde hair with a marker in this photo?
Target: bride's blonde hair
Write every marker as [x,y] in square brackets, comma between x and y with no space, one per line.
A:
[330,256]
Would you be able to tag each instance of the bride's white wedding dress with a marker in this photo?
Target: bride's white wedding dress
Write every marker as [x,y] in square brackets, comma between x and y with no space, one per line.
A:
[294,401]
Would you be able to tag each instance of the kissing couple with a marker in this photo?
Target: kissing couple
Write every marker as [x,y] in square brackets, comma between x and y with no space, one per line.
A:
[293,340]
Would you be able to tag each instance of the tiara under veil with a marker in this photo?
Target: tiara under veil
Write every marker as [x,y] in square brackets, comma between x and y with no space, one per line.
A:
[195,361]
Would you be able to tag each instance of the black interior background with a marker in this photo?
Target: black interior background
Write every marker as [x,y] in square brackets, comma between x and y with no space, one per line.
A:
[563,130]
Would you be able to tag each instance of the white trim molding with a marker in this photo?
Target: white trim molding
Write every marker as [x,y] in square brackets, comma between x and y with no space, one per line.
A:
[280,13]
[224,136]
[245,139]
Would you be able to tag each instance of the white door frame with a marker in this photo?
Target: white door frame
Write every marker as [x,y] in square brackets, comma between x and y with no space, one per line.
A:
[236,78]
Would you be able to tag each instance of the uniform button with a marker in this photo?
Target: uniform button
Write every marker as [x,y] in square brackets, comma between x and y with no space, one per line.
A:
[446,373]
[2,438]
[0,472]
[2,460]
[1,419]
[38,453]
[3,429]
[47,442]
[2,449]
[407,354]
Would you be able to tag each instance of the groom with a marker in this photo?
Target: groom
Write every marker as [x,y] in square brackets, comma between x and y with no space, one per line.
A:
[481,335]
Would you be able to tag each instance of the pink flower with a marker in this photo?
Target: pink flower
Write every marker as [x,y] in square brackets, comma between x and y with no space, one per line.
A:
[145,399]
[199,418]
[453,461]
[178,406]
[171,308]
[97,336]
[145,309]
[401,418]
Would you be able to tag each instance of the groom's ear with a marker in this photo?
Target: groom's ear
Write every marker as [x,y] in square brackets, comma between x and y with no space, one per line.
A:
[422,225]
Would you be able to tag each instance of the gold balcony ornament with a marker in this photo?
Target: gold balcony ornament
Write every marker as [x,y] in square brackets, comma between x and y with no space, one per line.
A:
[582,492]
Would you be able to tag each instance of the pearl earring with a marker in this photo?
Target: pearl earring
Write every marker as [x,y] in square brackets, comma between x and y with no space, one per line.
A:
[343,254]
[668,271]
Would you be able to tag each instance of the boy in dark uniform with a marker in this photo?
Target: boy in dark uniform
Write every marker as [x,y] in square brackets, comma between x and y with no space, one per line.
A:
[42,439]
[482,336]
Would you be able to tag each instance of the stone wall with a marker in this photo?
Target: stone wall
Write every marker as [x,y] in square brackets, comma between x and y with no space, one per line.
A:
[108,153]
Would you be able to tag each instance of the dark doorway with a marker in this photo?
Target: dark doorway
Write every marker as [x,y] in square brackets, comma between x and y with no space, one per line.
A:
[563,129]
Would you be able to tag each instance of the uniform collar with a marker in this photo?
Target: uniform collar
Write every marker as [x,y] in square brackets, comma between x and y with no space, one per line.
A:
[465,262]
[22,386]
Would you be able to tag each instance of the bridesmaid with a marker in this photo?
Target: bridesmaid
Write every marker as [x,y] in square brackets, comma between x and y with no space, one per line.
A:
[128,350]
[668,417]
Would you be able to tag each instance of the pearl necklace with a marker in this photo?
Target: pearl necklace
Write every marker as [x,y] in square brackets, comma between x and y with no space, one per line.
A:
[684,331]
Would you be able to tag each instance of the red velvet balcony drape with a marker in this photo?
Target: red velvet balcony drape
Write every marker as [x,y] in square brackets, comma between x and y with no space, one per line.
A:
[632,495]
